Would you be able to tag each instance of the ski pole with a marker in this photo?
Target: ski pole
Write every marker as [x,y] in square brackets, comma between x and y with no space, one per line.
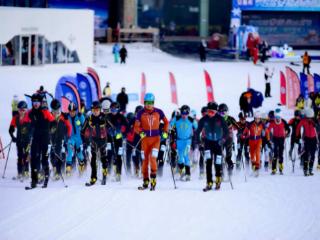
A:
[59,158]
[5,147]
[172,174]
[5,166]
[244,168]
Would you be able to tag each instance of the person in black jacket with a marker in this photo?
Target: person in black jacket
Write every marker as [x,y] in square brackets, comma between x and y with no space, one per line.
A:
[118,128]
[123,100]
[97,125]
[40,118]
[123,54]
[215,135]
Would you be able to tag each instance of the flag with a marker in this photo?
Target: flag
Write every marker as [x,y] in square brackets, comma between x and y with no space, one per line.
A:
[96,79]
[304,85]
[316,83]
[84,89]
[283,89]
[310,83]
[143,87]
[65,104]
[248,82]
[209,88]
[293,87]
[173,87]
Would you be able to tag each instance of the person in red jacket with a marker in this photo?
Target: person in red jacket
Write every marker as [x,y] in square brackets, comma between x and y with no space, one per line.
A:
[40,121]
[308,140]
[278,130]
[21,122]
[147,124]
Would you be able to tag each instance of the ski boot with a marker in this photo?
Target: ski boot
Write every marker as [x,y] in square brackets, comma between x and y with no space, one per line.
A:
[281,168]
[68,170]
[310,172]
[32,186]
[92,182]
[266,166]
[56,176]
[26,174]
[208,187]
[81,167]
[118,177]
[305,172]
[187,178]
[45,182]
[274,171]
[104,176]
[145,185]
[218,183]
[153,184]
[40,178]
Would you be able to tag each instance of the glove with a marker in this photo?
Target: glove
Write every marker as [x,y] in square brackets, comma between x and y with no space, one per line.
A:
[221,142]
[142,135]
[118,136]
[14,139]
[164,135]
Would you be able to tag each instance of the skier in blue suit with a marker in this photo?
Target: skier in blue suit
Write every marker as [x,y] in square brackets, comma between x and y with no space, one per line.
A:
[185,126]
[75,141]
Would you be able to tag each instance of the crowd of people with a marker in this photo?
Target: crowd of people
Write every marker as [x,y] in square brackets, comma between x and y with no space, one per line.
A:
[56,143]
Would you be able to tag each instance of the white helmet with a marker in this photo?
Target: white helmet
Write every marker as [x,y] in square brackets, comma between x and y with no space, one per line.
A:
[105,105]
[257,114]
[309,113]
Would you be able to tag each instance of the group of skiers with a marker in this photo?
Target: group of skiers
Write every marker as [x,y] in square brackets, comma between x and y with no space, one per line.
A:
[147,138]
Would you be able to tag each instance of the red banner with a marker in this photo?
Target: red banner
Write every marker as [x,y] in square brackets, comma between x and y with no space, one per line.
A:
[143,88]
[65,104]
[2,156]
[283,89]
[173,87]
[310,83]
[293,87]
[209,88]
[96,78]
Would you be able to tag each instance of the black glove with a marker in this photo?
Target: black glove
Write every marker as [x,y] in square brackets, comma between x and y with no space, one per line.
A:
[14,139]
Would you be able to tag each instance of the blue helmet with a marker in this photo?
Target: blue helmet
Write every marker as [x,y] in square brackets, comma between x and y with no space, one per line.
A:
[149,97]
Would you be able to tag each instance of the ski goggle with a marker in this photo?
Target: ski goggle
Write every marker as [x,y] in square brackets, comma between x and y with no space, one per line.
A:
[95,110]
[211,113]
[56,111]
[148,102]
[114,110]
[22,109]
[36,104]
[185,113]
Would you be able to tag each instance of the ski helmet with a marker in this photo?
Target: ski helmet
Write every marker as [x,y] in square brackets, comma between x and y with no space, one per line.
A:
[204,110]
[130,116]
[212,106]
[114,107]
[96,105]
[257,114]
[223,107]
[185,110]
[309,113]
[271,114]
[36,97]
[138,109]
[22,105]
[72,107]
[149,97]
[241,116]
[55,104]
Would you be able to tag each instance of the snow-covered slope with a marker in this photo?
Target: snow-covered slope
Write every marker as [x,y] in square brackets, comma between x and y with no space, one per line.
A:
[264,208]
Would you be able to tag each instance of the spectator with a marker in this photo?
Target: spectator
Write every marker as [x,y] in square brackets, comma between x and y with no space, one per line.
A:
[203,51]
[306,60]
[115,52]
[122,99]
[107,90]
[123,54]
